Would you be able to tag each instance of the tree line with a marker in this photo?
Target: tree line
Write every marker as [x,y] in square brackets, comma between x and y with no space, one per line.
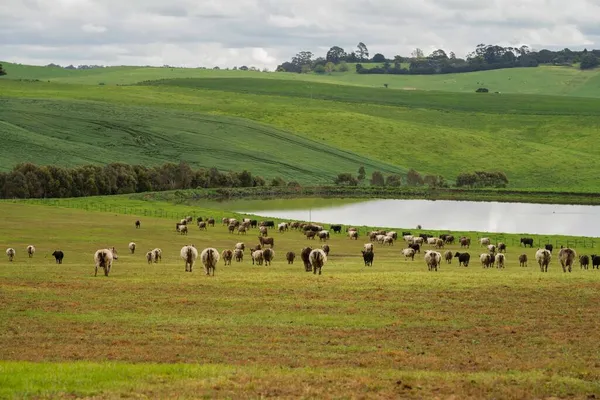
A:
[27,180]
[477,179]
[483,57]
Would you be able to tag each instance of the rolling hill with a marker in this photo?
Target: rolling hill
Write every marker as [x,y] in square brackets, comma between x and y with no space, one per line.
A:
[300,130]
[546,80]
[67,132]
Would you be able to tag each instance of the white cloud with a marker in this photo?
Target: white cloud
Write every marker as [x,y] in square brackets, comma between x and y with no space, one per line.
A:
[91,28]
[264,33]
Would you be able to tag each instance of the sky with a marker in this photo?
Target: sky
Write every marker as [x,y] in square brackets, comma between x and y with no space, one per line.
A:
[265,33]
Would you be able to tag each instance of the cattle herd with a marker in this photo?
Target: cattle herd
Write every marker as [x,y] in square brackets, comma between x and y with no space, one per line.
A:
[314,259]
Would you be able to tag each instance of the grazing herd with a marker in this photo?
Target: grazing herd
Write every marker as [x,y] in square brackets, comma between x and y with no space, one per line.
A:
[314,259]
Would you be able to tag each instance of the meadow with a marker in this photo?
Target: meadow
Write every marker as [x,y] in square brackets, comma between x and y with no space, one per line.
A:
[391,330]
[540,142]
[544,80]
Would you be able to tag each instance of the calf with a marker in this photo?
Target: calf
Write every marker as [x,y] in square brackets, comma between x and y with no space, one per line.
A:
[584,262]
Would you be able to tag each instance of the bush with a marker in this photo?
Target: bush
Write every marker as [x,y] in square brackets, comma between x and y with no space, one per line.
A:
[482,90]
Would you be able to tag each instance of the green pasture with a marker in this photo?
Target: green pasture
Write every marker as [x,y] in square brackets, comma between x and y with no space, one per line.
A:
[77,132]
[540,142]
[391,330]
[545,80]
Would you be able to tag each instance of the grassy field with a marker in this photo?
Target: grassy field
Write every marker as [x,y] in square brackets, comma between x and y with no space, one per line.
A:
[540,142]
[68,132]
[392,330]
[545,80]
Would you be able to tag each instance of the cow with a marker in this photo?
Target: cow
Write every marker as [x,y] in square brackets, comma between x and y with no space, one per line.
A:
[543,257]
[290,257]
[138,224]
[584,262]
[463,258]
[58,256]
[566,256]
[266,240]
[368,257]
[523,260]
[304,254]
[336,228]
[549,247]
[595,261]
[416,247]
[527,241]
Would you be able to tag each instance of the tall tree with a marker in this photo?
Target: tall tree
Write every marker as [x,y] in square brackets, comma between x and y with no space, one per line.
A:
[335,54]
[361,173]
[377,179]
[362,52]
[417,53]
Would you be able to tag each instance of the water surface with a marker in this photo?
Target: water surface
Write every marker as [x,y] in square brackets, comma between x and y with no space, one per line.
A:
[542,219]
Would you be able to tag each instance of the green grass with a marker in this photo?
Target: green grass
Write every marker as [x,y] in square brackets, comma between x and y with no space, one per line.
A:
[393,330]
[544,80]
[76,132]
[540,142]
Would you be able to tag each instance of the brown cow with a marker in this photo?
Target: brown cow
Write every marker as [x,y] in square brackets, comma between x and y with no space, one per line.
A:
[266,240]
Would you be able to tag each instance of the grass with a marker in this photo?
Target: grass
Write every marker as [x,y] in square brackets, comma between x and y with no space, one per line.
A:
[540,142]
[71,132]
[393,330]
[545,80]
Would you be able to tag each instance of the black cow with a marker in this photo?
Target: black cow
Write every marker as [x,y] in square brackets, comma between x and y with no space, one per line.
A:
[304,255]
[58,255]
[527,241]
[584,261]
[416,247]
[368,257]
[406,233]
[137,224]
[463,258]
[425,236]
[268,224]
[253,223]
[549,247]
[336,228]
[595,261]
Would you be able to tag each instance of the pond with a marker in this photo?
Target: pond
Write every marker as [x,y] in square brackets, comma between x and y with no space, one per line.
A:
[541,219]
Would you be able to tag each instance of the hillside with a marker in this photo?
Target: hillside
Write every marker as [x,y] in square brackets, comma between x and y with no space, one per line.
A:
[540,142]
[541,80]
[67,132]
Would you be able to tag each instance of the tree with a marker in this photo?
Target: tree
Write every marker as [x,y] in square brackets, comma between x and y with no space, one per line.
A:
[393,180]
[277,181]
[588,61]
[417,53]
[346,179]
[377,179]
[343,67]
[361,173]
[413,178]
[378,58]
[335,54]
[329,67]
[2,70]
[362,52]
[319,69]
[438,54]
[452,55]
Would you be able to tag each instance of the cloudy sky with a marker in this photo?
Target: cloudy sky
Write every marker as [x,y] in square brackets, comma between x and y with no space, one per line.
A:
[264,33]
